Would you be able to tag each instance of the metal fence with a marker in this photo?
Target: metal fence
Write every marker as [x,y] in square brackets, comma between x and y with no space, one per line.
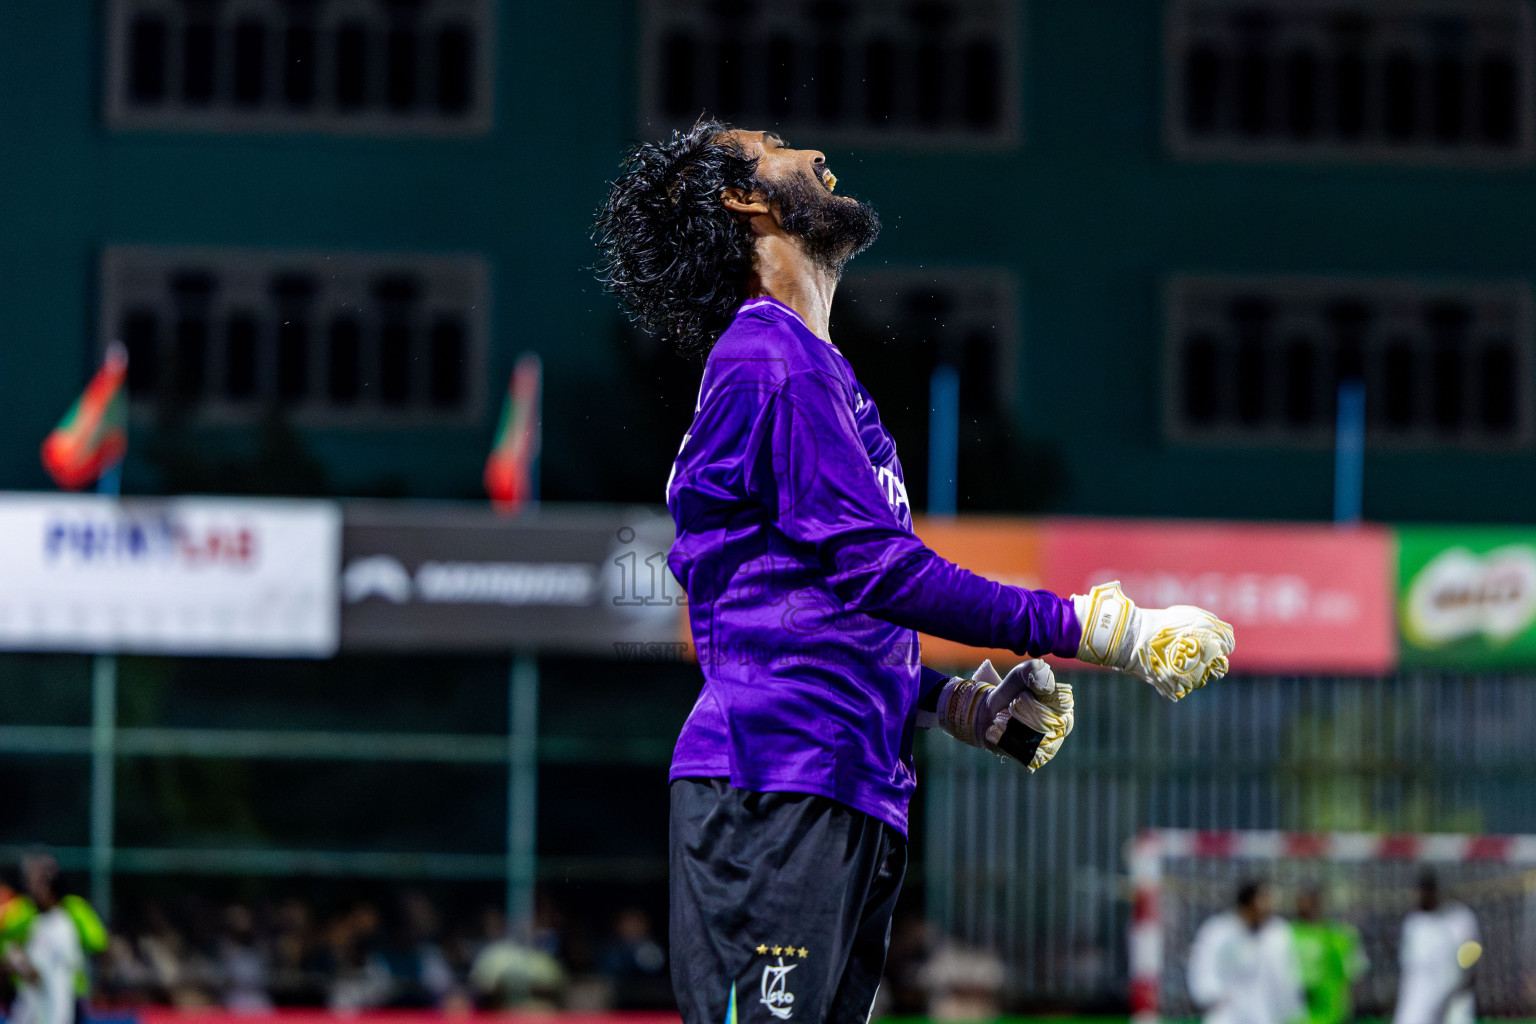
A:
[1033,866]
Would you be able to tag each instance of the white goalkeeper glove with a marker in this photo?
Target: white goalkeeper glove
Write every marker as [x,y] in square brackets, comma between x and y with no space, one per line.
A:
[1177,649]
[1004,714]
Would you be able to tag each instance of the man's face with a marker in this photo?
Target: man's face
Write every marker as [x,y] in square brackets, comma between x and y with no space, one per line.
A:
[833,228]
[1259,911]
[1309,906]
[37,876]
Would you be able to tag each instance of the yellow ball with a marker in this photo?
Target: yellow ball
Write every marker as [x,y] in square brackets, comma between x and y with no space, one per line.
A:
[1468,954]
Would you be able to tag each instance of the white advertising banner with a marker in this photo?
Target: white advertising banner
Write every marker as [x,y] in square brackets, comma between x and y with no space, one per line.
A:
[211,576]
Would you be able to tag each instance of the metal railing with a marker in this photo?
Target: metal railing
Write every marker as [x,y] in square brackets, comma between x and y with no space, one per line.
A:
[1033,866]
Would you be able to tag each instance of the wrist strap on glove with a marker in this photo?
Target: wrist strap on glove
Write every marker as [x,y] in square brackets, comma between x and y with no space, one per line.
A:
[961,712]
[959,701]
[1109,622]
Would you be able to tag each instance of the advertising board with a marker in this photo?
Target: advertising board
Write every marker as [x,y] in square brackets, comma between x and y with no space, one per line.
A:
[190,576]
[445,578]
[1467,596]
[1301,597]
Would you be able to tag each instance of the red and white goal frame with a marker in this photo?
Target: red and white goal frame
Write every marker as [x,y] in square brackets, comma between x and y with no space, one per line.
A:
[1149,851]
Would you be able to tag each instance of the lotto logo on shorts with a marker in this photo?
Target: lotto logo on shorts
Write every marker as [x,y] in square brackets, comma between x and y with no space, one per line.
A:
[775,995]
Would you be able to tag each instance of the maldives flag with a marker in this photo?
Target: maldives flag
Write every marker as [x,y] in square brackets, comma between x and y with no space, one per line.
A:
[93,436]
[508,470]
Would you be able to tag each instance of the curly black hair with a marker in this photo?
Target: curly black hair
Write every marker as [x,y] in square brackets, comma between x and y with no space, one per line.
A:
[676,258]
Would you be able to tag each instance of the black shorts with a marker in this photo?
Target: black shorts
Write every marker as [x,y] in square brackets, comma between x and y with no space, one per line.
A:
[781,905]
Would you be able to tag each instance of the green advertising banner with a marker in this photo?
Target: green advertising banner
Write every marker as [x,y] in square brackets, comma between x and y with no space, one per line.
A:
[1467,596]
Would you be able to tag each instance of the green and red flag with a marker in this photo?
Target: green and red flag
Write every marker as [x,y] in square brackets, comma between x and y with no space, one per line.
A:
[92,437]
[509,469]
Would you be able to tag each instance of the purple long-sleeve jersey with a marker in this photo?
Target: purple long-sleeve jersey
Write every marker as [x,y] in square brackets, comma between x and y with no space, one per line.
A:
[805,582]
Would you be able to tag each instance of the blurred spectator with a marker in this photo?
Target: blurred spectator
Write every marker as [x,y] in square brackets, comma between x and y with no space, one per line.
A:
[1242,964]
[243,963]
[178,970]
[635,963]
[295,979]
[548,926]
[963,983]
[362,980]
[48,956]
[1329,956]
[423,976]
[911,945]
[508,974]
[123,979]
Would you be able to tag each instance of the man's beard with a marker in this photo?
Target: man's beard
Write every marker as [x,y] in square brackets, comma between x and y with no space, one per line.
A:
[832,230]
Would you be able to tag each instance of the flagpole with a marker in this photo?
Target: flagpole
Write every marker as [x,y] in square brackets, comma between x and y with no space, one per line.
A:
[104,745]
[104,748]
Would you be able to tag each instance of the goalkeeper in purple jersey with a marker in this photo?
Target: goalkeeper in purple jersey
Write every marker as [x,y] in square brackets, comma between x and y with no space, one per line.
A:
[807,589]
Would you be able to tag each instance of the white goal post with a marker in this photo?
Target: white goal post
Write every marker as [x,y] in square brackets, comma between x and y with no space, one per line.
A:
[1180,877]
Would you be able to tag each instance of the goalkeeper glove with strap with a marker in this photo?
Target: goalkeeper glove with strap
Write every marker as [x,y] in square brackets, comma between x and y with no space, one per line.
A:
[1177,649]
[1026,715]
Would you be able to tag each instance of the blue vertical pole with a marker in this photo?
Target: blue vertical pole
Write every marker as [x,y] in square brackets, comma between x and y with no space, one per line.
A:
[943,440]
[1349,453]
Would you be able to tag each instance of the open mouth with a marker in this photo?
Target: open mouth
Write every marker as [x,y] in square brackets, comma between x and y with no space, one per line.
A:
[829,179]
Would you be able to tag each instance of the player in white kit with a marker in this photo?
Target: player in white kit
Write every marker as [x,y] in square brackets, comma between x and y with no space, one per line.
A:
[47,963]
[1440,946]
[1243,967]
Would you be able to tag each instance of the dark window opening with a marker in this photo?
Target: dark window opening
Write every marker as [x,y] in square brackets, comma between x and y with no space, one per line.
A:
[1499,89]
[781,76]
[299,50]
[983,88]
[1202,89]
[1447,389]
[240,338]
[829,80]
[146,60]
[250,63]
[1350,89]
[1300,382]
[1253,90]
[352,67]
[880,93]
[197,62]
[930,82]
[455,70]
[677,74]
[395,363]
[449,349]
[1398,378]
[293,292]
[344,376]
[400,69]
[1449,89]
[292,361]
[730,78]
[1401,115]
[1498,375]
[1301,94]
[189,358]
[141,336]
[1200,379]
[193,290]
[1251,319]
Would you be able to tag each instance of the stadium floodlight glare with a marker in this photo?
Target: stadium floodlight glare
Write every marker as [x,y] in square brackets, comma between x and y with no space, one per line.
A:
[1182,877]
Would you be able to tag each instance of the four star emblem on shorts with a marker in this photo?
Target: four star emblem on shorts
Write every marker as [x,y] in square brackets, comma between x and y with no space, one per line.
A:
[801,953]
